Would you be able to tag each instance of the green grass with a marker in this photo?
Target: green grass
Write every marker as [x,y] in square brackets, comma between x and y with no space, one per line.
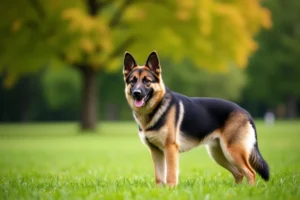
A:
[54,161]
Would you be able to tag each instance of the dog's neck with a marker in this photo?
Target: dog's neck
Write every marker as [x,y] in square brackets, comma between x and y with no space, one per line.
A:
[149,117]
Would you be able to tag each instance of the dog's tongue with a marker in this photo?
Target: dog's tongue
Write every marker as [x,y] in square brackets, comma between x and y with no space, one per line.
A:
[139,103]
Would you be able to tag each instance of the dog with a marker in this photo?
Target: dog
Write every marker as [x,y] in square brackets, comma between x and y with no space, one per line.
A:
[170,123]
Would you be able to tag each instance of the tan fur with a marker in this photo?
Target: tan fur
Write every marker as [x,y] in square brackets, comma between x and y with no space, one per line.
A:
[234,142]
[158,114]
[167,149]
[159,163]
[140,113]
[215,151]
[171,149]
[229,147]
[172,156]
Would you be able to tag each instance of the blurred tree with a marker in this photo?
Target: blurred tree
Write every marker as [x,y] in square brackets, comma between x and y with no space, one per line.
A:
[201,82]
[12,107]
[92,35]
[40,97]
[61,88]
[274,70]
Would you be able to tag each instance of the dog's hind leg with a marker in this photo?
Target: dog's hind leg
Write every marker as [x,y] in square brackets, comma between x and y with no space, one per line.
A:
[237,142]
[215,151]
[240,159]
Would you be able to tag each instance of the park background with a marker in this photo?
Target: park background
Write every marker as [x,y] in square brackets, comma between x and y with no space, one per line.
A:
[66,130]
[62,60]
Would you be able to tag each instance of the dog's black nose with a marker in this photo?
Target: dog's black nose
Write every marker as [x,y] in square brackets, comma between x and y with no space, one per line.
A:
[137,93]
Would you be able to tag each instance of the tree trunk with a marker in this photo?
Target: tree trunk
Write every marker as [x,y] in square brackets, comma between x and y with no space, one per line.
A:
[89,99]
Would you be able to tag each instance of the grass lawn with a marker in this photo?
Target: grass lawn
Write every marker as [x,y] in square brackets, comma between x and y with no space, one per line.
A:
[54,161]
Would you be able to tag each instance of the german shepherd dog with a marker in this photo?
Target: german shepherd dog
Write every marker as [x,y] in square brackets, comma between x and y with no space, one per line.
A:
[170,123]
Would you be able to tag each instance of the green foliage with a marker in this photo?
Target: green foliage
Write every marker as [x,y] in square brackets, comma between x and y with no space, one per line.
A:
[213,34]
[26,38]
[192,81]
[273,70]
[62,87]
[50,161]
[95,34]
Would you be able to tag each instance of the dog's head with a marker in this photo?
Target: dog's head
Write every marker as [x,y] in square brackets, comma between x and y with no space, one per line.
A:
[144,87]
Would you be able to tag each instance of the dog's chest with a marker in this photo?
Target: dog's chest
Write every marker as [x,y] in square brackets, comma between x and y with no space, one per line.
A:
[154,138]
[158,139]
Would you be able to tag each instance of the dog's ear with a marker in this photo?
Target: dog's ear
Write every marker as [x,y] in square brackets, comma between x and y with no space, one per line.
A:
[153,62]
[129,63]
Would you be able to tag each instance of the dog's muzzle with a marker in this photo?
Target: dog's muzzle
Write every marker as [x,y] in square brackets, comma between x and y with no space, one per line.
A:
[139,98]
[137,94]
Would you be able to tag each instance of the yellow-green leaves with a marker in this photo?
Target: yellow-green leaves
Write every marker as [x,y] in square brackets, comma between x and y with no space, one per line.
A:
[92,38]
[211,33]
[228,27]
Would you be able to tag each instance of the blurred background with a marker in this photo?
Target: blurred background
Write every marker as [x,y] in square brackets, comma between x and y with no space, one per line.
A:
[61,60]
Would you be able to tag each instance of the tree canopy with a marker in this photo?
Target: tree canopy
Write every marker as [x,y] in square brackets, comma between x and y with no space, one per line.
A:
[273,71]
[95,33]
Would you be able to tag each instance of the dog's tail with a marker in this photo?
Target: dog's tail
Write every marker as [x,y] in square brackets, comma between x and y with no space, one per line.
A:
[259,164]
[257,161]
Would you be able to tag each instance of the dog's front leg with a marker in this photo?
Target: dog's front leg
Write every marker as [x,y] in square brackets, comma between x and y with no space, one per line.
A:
[159,163]
[172,156]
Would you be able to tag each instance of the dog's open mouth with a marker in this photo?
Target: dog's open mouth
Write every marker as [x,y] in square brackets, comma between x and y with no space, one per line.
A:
[141,102]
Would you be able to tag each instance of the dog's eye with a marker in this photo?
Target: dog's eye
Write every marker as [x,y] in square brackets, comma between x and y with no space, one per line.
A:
[133,81]
[147,81]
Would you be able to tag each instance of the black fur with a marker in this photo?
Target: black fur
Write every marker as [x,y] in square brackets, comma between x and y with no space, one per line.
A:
[129,62]
[162,119]
[201,115]
[256,159]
